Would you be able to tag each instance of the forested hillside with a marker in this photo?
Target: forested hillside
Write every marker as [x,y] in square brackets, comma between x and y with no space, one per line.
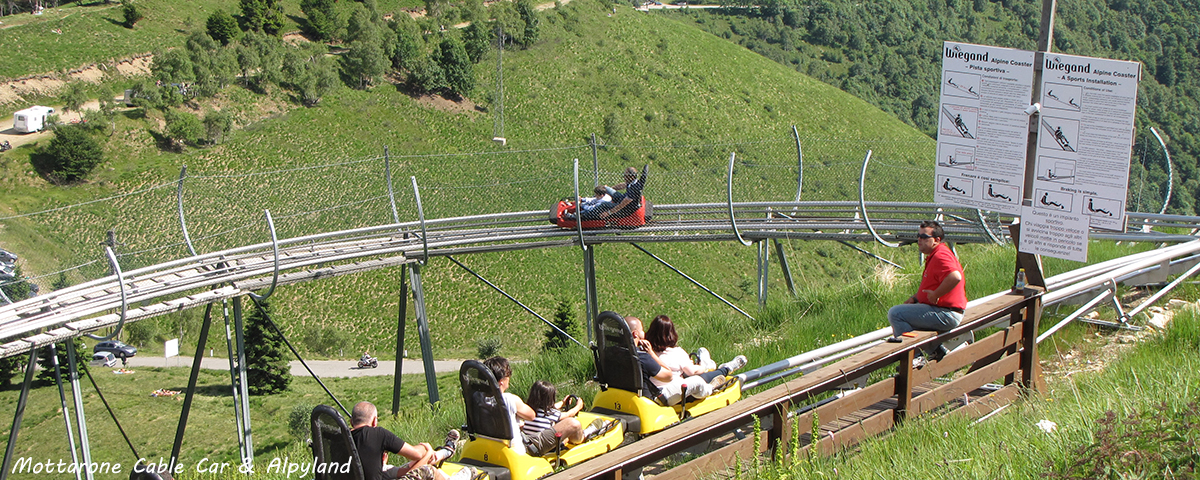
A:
[882,51]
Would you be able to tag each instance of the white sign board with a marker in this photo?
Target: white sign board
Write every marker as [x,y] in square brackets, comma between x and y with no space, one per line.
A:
[1085,137]
[171,348]
[982,126]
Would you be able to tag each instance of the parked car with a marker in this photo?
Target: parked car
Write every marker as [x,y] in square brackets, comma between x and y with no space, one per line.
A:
[120,349]
[103,358]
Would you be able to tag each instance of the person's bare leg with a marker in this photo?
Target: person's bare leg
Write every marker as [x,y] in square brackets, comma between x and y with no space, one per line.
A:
[570,429]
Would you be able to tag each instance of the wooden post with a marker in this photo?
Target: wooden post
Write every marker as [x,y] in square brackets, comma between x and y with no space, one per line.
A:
[781,431]
[1031,370]
[904,386]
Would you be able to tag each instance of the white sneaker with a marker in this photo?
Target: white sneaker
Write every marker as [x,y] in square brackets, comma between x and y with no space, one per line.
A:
[706,361]
[467,473]
[732,365]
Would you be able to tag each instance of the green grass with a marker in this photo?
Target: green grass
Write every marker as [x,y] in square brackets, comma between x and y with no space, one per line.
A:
[1148,390]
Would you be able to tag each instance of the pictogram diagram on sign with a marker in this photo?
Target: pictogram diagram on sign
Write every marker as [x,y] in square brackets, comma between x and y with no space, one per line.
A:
[1062,97]
[1101,207]
[1059,133]
[956,156]
[1053,200]
[959,121]
[1000,193]
[955,186]
[960,84]
[1056,170]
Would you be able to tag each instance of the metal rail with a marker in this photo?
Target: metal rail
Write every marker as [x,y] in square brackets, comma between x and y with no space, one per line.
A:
[201,279]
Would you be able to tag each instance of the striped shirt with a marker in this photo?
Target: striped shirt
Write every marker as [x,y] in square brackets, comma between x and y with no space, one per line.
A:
[544,419]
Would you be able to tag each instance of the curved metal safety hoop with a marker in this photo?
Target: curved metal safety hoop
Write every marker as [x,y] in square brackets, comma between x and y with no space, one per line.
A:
[421,215]
[799,163]
[988,231]
[862,202]
[275,250]
[187,239]
[578,212]
[729,194]
[112,260]
[1170,171]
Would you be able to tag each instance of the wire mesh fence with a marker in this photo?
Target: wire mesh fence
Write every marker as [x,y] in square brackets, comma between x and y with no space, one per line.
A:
[219,210]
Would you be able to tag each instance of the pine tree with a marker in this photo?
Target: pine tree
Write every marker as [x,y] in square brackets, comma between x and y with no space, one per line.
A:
[267,370]
[46,361]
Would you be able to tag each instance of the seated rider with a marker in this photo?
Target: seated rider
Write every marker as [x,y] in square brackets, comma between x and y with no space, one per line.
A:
[663,385]
[537,444]
[588,207]
[365,358]
[626,203]
[541,399]
[374,443]
[665,341]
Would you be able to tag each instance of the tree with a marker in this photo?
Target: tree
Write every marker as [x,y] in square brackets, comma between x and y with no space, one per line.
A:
[74,96]
[173,66]
[565,320]
[217,125]
[46,361]
[10,367]
[367,59]
[131,13]
[529,15]
[71,155]
[262,16]
[15,288]
[323,20]
[184,127]
[222,27]
[460,75]
[409,44]
[477,39]
[267,364]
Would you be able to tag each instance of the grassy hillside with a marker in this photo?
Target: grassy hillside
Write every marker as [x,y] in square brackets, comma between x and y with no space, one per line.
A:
[680,97]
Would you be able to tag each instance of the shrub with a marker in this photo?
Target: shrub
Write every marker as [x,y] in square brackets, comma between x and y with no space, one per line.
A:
[141,333]
[10,367]
[460,75]
[298,421]
[47,362]
[71,155]
[323,21]
[326,340]
[487,347]
[74,96]
[131,13]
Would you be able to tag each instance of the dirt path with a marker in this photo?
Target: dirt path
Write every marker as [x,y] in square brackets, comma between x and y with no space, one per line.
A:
[17,139]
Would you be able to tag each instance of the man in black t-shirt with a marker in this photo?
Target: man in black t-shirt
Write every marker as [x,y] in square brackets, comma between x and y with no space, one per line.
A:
[631,200]
[375,442]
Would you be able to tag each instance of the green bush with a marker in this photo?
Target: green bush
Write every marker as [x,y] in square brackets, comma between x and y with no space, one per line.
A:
[325,340]
[73,96]
[459,72]
[217,125]
[46,361]
[142,333]
[566,320]
[298,421]
[131,13]
[70,156]
[487,347]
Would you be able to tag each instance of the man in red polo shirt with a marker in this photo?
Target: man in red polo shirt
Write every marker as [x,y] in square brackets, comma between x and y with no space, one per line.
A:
[942,296]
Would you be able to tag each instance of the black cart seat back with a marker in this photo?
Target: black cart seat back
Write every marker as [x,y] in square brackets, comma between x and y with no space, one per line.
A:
[331,442]
[616,357]
[487,414]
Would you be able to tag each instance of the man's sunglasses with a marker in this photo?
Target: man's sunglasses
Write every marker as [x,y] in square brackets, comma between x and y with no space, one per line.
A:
[924,236]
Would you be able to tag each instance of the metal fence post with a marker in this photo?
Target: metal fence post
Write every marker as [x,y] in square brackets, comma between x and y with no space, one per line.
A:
[423,329]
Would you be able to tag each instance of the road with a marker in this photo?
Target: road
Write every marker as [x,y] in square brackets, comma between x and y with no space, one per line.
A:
[323,368]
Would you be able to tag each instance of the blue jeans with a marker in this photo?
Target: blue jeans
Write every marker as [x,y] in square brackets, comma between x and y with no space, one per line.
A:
[919,316]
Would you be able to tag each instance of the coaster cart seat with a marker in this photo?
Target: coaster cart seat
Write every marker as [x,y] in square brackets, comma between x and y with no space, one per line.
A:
[636,219]
[621,381]
[489,432]
[335,453]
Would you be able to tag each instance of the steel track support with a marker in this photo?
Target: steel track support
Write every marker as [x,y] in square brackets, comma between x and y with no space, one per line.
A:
[400,342]
[233,377]
[80,419]
[66,412]
[191,388]
[16,425]
[783,265]
[690,279]
[764,263]
[589,288]
[246,438]
[423,330]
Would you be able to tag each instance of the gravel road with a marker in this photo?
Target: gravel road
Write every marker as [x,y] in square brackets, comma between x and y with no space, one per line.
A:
[323,368]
